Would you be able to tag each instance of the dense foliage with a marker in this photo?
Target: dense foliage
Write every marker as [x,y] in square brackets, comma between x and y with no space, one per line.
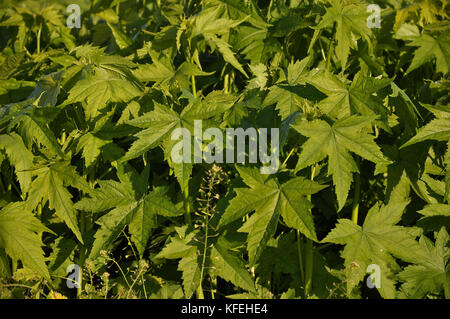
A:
[86,116]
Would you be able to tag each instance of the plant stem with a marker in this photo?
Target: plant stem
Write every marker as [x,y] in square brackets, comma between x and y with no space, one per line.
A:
[187,206]
[309,258]
[330,48]
[355,208]
[226,81]
[289,155]
[200,294]
[194,89]
[81,258]
[300,257]
[39,39]
[309,266]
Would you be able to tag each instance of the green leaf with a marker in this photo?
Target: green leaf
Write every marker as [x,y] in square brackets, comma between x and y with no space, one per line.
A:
[429,48]
[190,265]
[358,98]
[90,145]
[437,129]
[20,157]
[18,228]
[131,207]
[33,128]
[350,21]
[231,267]
[337,141]
[270,200]
[288,94]
[224,48]
[144,216]
[159,124]
[50,185]
[431,273]
[108,80]
[376,242]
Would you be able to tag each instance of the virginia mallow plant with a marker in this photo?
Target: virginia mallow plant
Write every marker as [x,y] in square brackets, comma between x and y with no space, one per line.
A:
[321,168]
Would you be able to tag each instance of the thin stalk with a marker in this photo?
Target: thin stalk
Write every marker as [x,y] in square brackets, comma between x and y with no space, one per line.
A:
[300,257]
[81,258]
[309,266]
[200,294]
[355,208]
[330,48]
[39,39]
[226,81]
[121,271]
[187,206]
[213,286]
[133,283]
[309,258]
[269,14]
[289,155]
[194,89]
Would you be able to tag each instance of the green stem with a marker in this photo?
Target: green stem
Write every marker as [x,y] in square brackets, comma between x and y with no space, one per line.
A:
[81,259]
[300,258]
[309,258]
[213,287]
[187,206]
[289,155]
[355,208]
[39,39]
[226,81]
[330,48]
[194,89]
[309,266]
[200,294]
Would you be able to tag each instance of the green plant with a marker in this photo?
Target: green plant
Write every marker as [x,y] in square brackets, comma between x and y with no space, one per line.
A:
[88,178]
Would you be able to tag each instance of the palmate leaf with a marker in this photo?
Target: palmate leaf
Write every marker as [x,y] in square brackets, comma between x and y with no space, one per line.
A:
[103,87]
[190,265]
[225,49]
[358,98]
[34,128]
[376,242]
[217,258]
[230,267]
[434,217]
[429,48]
[90,146]
[350,19]
[158,124]
[50,185]
[437,129]
[209,24]
[129,208]
[336,142]
[235,9]
[162,71]
[431,272]
[104,79]
[270,200]
[20,157]
[287,94]
[18,228]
